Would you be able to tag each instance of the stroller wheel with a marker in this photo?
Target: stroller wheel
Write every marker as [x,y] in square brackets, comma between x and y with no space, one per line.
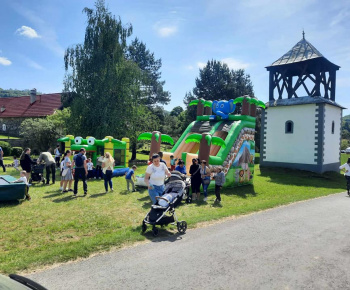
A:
[144,227]
[43,181]
[155,231]
[182,227]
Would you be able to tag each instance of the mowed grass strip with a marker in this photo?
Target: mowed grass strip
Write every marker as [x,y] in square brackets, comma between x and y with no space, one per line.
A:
[54,227]
[7,137]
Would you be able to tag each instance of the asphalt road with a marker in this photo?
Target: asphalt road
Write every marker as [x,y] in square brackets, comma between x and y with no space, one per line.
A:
[300,246]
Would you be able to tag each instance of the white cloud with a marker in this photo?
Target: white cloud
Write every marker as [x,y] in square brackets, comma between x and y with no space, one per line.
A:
[201,64]
[27,32]
[165,30]
[5,61]
[343,15]
[48,33]
[234,63]
[189,67]
[34,64]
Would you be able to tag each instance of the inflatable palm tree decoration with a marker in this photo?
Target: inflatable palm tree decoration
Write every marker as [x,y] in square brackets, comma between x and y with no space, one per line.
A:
[203,106]
[249,105]
[156,139]
[205,140]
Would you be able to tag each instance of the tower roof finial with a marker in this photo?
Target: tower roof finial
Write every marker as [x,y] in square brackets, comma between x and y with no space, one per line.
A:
[303,34]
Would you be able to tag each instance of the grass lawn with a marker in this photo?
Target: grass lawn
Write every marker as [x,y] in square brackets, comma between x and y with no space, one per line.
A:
[54,227]
[6,137]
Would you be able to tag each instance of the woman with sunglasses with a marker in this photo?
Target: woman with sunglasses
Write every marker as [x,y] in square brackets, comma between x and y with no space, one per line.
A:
[205,175]
[155,176]
[196,178]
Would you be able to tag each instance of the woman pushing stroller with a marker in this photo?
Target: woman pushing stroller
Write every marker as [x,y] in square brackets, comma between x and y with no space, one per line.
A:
[155,176]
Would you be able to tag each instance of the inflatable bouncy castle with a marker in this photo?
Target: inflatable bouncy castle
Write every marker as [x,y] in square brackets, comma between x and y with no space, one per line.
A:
[218,136]
[95,148]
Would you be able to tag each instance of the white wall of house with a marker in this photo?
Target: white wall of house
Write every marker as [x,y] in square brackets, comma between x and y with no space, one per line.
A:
[332,141]
[298,147]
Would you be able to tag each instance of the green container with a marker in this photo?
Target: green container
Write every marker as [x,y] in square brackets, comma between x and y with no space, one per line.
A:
[11,191]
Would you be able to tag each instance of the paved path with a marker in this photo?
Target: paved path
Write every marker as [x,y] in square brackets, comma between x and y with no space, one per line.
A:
[303,245]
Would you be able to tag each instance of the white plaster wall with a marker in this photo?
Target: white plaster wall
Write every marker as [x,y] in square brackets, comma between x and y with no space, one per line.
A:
[331,141]
[298,147]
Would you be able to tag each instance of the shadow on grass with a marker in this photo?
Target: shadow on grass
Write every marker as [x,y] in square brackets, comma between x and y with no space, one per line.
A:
[10,203]
[125,192]
[163,235]
[294,177]
[52,191]
[217,204]
[54,194]
[147,205]
[65,199]
[241,191]
[97,195]
[144,198]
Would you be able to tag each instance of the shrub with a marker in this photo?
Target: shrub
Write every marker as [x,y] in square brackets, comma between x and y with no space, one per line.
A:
[6,147]
[16,151]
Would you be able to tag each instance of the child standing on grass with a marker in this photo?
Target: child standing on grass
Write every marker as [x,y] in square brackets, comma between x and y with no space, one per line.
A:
[219,182]
[61,170]
[130,178]
[15,163]
[23,179]
[90,168]
[172,162]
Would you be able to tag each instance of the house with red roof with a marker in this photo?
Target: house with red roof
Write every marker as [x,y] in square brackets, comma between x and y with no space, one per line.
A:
[14,110]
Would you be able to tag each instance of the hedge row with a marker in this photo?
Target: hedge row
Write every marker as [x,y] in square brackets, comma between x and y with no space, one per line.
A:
[10,151]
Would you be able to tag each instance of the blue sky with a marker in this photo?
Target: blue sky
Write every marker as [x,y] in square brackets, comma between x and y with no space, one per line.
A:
[249,34]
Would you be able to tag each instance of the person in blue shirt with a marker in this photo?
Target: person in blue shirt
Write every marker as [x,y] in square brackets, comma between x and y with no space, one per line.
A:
[130,177]
[181,167]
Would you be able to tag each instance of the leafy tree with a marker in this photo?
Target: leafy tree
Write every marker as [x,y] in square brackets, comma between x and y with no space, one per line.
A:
[14,93]
[152,87]
[183,120]
[344,144]
[112,87]
[345,127]
[176,111]
[170,125]
[217,82]
[42,133]
[100,83]
[141,120]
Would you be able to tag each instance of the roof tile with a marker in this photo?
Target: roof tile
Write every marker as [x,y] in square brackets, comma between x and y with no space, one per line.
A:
[44,105]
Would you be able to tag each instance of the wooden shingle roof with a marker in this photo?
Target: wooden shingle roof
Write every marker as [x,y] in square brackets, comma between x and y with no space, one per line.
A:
[302,51]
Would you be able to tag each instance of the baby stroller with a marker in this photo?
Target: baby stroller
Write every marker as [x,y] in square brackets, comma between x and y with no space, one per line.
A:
[163,212]
[37,173]
[176,175]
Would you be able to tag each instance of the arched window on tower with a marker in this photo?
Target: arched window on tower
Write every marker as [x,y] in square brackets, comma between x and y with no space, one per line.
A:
[332,127]
[289,127]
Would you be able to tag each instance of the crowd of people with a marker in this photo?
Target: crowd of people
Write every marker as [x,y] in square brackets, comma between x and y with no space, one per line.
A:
[81,168]
[71,169]
[200,173]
